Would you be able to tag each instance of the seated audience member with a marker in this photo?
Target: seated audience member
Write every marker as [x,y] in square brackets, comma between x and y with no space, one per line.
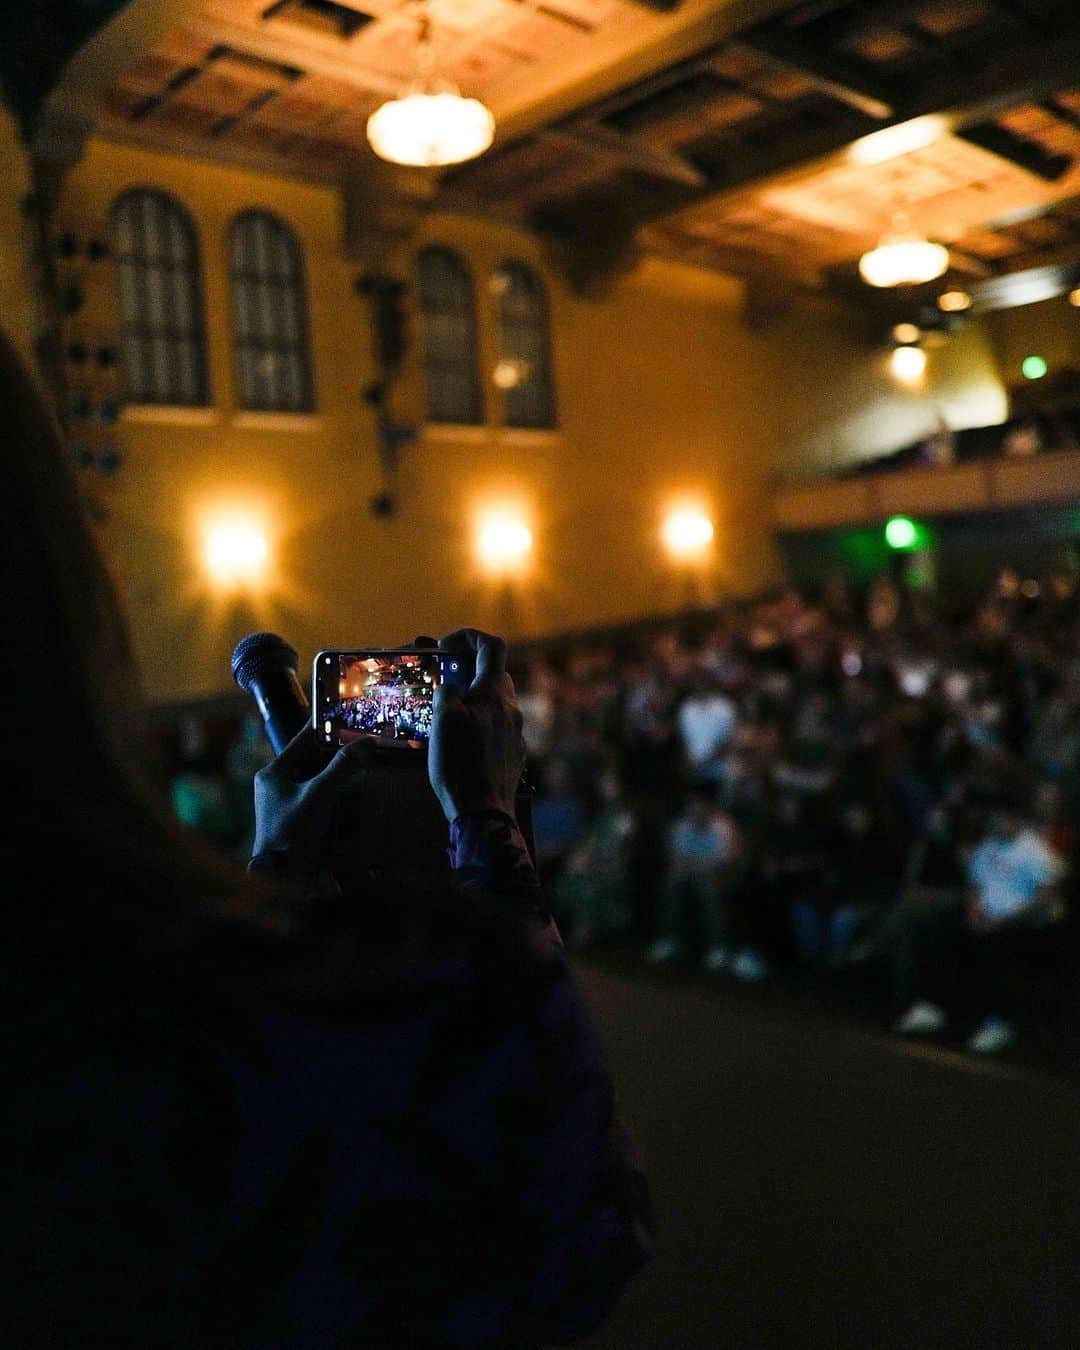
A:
[558,814]
[788,869]
[250,1112]
[1013,890]
[859,883]
[702,853]
[592,892]
[200,789]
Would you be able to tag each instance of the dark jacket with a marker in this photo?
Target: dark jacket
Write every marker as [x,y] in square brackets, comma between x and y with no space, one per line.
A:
[396,1133]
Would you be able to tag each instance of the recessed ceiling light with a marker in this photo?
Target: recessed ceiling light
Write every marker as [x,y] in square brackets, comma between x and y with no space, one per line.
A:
[900,139]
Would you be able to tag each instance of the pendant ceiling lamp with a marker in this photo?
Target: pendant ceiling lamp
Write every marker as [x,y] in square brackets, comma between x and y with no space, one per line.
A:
[430,123]
[903,258]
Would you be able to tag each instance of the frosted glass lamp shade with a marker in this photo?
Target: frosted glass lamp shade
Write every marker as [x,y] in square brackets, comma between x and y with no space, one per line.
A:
[427,129]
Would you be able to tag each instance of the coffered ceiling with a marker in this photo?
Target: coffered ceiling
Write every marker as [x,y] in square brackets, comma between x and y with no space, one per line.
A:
[728,135]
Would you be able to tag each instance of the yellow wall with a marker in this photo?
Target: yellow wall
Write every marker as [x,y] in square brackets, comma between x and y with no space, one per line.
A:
[838,403]
[663,392]
[16,306]
[1050,329]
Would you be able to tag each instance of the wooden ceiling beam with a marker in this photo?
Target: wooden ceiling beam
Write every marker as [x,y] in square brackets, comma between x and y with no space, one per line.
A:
[998,84]
[830,74]
[625,152]
[311,57]
[1005,77]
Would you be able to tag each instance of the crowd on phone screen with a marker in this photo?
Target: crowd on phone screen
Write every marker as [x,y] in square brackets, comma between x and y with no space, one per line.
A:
[814,781]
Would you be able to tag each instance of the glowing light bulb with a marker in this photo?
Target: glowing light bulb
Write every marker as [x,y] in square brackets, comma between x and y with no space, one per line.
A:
[901,533]
[431,127]
[953,302]
[687,533]
[1033,367]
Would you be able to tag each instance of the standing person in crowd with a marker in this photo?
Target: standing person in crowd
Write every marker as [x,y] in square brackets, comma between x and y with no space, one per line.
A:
[651,772]
[705,719]
[251,1112]
[592,893]
[1013,894]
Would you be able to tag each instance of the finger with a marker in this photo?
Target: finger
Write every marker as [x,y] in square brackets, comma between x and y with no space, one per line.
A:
[350,757]
[425,642]
[302,751]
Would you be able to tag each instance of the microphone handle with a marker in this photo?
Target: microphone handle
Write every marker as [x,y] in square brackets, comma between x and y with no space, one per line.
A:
[283,706]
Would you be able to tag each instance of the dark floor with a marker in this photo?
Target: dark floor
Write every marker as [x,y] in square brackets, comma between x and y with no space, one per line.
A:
[821,1183]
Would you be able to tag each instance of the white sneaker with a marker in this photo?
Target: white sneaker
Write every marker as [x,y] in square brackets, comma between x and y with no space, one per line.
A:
[920,1019]
[716,958]
[749,966]
[992,1037]
[663,950]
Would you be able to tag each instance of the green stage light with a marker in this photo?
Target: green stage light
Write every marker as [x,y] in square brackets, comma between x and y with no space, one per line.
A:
[900,532]
[1034,367]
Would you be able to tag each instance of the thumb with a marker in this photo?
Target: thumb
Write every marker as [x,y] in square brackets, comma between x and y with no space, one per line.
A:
[301,754]
[446,696]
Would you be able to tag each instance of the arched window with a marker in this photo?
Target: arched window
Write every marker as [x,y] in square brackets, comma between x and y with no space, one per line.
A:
[271,338]
[523,371]
[448,319]
[159,281]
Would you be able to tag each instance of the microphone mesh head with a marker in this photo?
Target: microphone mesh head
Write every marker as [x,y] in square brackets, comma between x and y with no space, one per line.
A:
[258,653]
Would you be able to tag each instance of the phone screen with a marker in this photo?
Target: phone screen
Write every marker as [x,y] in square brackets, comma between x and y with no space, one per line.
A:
[376,693]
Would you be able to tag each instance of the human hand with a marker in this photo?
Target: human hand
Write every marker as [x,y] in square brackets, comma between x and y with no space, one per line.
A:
[476,753]
[297,796]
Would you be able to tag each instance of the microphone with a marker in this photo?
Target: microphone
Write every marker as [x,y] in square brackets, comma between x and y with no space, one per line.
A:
[264,666]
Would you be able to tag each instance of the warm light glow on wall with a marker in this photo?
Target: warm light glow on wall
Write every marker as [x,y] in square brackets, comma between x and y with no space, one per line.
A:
[236,550]
[908,365]
[504,540]
[687,533]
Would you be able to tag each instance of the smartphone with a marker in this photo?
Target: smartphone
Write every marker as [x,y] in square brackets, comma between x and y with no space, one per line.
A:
[387,693]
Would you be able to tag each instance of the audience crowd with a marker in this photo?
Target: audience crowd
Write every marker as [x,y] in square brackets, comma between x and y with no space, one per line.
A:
[817,780]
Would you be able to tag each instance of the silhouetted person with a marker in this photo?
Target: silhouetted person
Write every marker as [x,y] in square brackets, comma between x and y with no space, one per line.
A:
[251,1111]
